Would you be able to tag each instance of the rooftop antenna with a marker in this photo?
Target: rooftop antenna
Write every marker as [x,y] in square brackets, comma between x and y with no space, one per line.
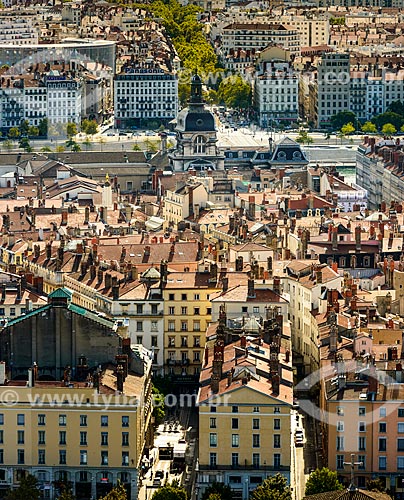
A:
[352,463]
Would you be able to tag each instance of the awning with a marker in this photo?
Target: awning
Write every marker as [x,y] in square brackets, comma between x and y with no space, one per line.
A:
[154,223]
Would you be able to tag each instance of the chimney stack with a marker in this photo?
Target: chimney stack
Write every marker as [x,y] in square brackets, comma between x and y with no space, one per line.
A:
[251,289]
[358,242]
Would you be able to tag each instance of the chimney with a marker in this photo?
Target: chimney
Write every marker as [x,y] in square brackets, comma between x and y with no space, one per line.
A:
[99,275]
[287,356]
[275,383]
[334,235]
[65,216]
[115,292]
[319,276]
[93,272]
[108,280]
[243,341]
[239,264]
[229,378]
[358,243]
[277,286]
[86,215]
[225,284]
[48,250]
[214,383]
[251,289]
[126,346]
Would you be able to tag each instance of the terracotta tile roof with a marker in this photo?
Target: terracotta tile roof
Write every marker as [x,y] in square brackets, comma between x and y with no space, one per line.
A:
[239,293]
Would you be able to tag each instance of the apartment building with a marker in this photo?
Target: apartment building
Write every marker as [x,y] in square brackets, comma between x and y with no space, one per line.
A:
[64,96]
[184,202]
[303,287]
[250,36]
[18,30]
[313,31]
[244,413]
[276,91]
[144,94]
[332,89]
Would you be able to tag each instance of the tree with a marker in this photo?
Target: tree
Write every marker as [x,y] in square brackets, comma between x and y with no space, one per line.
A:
[151,146]
[376,485]
[235,92]
[170,492]
[396,107]
[76,148]
[389,129]
[273,488]
[321,481]
[28,490]
[25,145]
[388,117]
[71,129]
[221,490]
[8,145]
[303,137]
[347,129]
[117,493]
[33,131]
[24,126]
[46,149]
[369,128]
[89,127]
[43,127]
[66,494]
[14,133]
[60,149]
[87,142]
[342,118]
[158,402]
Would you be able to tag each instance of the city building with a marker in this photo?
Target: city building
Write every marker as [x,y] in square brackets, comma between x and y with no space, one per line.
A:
[244,410]
[144,94]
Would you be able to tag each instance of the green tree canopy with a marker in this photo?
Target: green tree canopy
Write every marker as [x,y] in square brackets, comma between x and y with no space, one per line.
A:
[43,127]
[89,127]
[158,403]
[14,133]
[347,129]
[66,494]
[24,126]
[388,117]
[396,107]
[184,93]
[321,481]
[25,145]
[376,485]
[389,129]
[369,128]
[337,20]
[71,129]
[117,493]
[223,491]
[342,118]
[273,488]
[303,137]
[235,92]
[170,492]
[33,131]
[28,490]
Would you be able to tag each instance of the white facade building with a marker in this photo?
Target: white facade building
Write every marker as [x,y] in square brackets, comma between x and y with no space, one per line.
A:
[64,99]
[18,30]
[142,94]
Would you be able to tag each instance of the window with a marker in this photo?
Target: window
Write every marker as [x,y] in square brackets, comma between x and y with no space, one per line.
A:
[382,427]
[256,423]
[20,419]
[125,458]
[154,327]
[234,409]
[362,444]
[125,421]
[41,419]
[184,296]
[400,427]
[256,460]
[196,311]
[256,409]
[125,438]
[213,439]
[277,423]
[154,310]
[184,310]
[256,441]
[277,460]
[104,458]
[277,440]
[83,438]
[171,310]
[171,296]
[139,339]
[20,437]
[62,437]
[212,459]
[62,420]
[382,412]
[234,459]
[184,341]
[382,444]
[171,341]
[1,418]
[83,420]
[362,427]
[199,144]
[197,296]
[340,461]
[400,463]
[104,420]
[400,444]
[213,422]
[41,456]
[234,423]
[276,409]
[197,356]
[139,326]
[340,426]
[184,326]
[154,341]
[62,457]
[139,308]
[382,463]
[213,409]
[362,460]
[197,326]
[340,443]
[362,411]
[400,412]
[256,310]
[340,411]
[83,457]
[20,457]
[104,438]
[41,437]
[244,309]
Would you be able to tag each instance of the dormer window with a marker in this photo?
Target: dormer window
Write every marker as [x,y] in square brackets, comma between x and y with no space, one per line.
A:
[200,144]
[281,155]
